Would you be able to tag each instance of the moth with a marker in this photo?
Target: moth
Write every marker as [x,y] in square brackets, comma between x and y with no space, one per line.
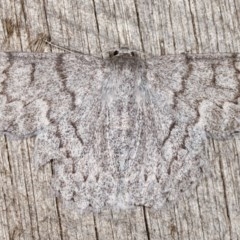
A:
[122,131]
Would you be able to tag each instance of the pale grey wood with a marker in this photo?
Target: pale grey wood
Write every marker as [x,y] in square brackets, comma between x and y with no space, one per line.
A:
[27,206]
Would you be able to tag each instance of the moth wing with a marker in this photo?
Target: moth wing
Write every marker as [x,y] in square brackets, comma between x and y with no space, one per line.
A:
[204,91]
[35,89]
[213,89]
[190,97]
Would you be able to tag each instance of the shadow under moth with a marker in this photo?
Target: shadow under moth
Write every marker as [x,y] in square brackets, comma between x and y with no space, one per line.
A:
[121,131]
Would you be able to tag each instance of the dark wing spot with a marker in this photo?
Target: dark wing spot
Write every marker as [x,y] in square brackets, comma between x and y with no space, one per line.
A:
[115,53]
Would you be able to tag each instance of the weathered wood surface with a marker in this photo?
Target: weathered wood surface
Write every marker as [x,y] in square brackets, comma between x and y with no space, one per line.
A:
[28,210]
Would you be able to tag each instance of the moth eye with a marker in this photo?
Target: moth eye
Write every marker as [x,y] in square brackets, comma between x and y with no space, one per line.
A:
[115,53]
[133,54]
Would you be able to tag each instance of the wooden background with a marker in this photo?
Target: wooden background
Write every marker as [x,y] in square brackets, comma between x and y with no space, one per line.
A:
[28,209]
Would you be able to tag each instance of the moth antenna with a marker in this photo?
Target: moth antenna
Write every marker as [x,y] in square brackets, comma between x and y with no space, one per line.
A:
[68,50]
[61,48]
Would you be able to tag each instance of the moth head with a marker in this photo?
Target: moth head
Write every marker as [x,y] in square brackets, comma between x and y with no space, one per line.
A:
[123,53]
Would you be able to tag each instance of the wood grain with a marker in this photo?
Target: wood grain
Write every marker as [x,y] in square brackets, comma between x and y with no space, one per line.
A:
[157,27]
